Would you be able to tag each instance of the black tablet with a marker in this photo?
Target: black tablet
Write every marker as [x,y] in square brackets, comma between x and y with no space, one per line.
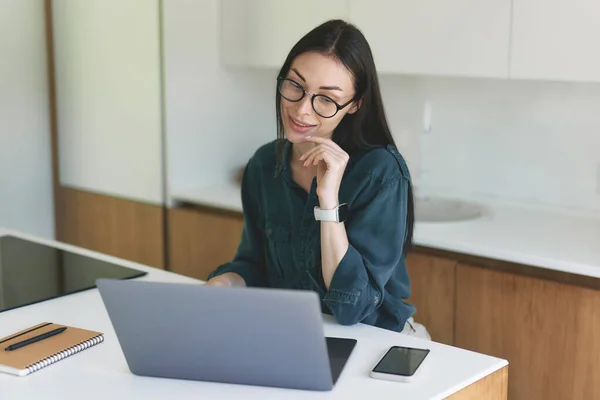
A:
[31,272]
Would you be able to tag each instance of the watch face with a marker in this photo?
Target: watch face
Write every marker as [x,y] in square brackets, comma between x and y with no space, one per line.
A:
[342,212]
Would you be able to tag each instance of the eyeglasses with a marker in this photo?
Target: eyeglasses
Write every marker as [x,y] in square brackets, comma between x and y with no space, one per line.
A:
[323,105]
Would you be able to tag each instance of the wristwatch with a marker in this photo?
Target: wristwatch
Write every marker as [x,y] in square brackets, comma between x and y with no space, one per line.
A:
[338,214]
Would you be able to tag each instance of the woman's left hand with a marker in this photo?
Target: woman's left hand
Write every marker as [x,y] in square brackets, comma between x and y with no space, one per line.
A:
[331,162]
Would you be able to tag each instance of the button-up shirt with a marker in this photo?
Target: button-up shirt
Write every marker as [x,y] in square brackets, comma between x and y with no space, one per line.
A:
[281,246]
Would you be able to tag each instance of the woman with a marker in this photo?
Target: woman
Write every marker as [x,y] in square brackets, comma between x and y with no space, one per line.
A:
[328,205]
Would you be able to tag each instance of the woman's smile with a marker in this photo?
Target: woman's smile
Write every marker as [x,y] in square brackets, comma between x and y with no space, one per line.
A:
[299,126]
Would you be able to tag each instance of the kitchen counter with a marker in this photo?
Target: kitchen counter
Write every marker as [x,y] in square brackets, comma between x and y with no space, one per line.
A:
[540,237]
[101,372]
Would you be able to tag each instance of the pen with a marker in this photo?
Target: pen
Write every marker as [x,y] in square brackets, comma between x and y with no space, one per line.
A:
[35,339]
[26,332]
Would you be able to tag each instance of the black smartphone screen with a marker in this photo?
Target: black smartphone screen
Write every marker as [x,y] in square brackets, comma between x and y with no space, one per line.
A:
[401,361]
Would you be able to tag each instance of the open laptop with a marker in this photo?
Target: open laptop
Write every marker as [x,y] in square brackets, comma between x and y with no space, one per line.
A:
[253,336]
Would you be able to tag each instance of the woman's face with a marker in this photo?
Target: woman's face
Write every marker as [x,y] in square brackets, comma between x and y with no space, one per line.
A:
[317,74]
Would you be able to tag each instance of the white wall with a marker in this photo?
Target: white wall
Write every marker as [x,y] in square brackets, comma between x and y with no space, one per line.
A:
[524,141]
[108,86]
[215,117]
[26,199]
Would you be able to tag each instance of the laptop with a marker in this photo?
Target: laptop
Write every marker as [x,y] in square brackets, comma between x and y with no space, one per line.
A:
[251,336]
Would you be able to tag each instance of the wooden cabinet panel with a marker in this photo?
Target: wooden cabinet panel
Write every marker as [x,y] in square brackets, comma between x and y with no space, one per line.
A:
[492,387]
[556,39]
[548,331]
[119,227]
[432,287]
[200,241]
[436,37]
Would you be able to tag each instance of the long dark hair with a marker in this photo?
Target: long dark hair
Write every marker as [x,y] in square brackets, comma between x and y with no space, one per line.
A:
[366,128]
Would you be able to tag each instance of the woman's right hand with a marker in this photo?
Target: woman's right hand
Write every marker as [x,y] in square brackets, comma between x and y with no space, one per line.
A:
[226,279]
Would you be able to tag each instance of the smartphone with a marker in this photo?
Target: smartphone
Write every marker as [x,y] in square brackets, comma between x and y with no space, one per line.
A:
[400,364]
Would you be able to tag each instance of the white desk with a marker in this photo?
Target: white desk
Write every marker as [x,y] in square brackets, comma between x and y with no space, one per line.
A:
[101,372]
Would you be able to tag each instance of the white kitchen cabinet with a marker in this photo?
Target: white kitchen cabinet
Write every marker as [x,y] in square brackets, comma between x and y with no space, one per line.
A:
[556,40]
[260,33]
[436,37]
[108,97]
[26,198]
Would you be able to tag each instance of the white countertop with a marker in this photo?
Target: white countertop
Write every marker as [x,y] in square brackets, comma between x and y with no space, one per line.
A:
[101,372]
[227,196]
[540,237]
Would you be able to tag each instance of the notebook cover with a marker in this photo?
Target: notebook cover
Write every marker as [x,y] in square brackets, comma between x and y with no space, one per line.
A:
[25,356]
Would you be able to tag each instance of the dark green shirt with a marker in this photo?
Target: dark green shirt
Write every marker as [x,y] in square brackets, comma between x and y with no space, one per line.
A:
[281,246]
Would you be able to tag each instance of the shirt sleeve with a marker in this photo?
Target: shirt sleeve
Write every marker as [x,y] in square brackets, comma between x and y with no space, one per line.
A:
[376,232]
[248,261]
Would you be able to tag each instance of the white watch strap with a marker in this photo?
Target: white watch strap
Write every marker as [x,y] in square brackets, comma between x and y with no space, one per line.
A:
[326,215]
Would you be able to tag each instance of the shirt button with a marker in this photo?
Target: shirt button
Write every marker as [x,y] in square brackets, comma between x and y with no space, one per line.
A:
[376,299]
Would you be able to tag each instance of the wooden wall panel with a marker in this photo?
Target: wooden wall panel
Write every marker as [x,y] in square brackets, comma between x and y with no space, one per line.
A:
[548,331]
[492,387]
[118,227]
[201,240]
[433,293]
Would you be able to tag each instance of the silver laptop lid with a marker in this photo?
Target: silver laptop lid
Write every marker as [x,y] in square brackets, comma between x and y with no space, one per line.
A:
[266,337]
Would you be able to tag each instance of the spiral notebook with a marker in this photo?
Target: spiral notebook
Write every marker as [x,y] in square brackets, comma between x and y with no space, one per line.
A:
[35,356]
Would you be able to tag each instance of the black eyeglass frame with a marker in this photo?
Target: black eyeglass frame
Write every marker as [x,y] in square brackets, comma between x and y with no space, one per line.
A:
[339,107]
